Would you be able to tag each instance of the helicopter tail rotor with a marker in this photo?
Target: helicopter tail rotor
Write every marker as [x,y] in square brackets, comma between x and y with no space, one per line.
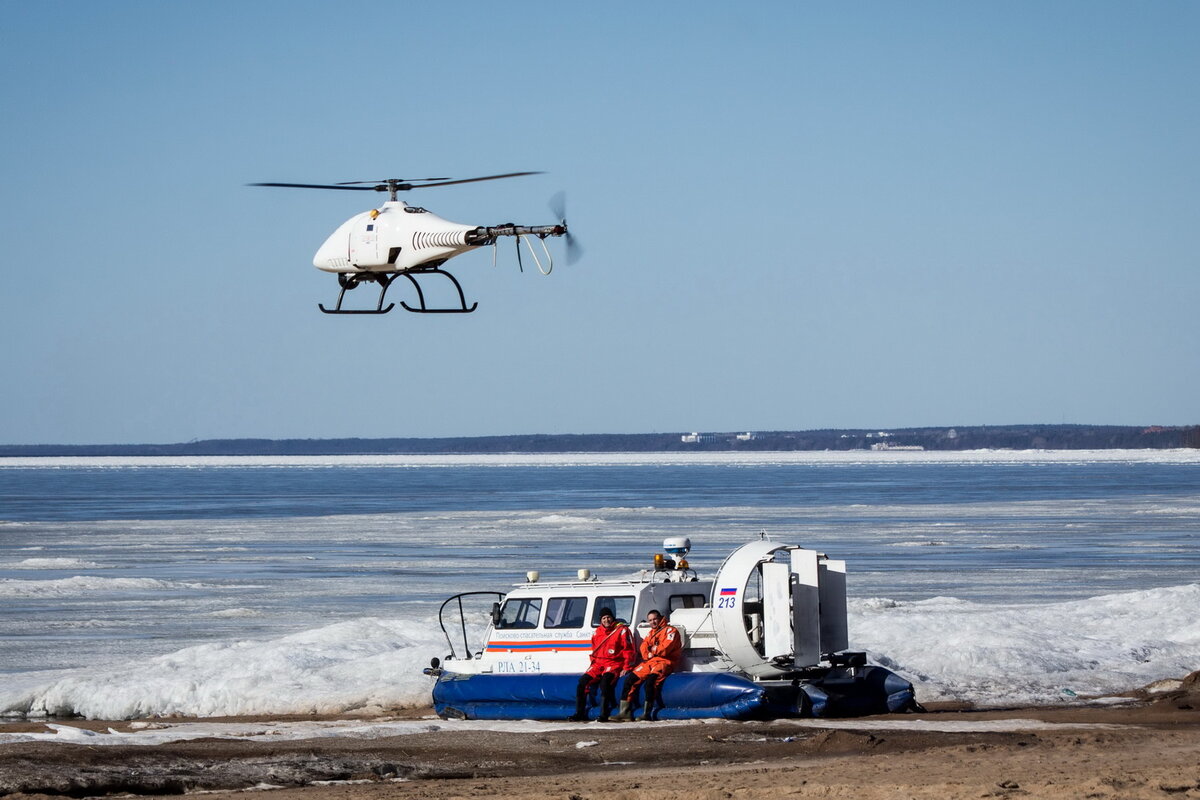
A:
[558,207]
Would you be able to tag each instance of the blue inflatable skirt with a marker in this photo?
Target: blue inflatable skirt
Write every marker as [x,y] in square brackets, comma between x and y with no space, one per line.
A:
[685,695]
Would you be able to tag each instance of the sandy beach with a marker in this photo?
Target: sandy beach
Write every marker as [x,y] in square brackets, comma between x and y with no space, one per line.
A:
[1148,746]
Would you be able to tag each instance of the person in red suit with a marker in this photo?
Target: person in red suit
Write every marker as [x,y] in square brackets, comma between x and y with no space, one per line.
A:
[613,655]
[660,655]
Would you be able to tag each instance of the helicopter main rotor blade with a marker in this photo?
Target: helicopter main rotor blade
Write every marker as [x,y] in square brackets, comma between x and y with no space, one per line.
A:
[393,184]
[317,186]
[485,178]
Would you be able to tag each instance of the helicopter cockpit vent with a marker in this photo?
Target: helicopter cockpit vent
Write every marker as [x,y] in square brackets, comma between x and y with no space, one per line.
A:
[424,239]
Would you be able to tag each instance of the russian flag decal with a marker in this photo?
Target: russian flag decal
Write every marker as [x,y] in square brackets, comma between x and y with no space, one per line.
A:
[728,592]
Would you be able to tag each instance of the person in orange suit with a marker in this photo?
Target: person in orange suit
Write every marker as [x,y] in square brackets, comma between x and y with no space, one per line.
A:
[660,655]
[613,655]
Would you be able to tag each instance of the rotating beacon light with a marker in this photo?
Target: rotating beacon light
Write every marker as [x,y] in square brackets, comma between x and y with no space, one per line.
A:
[676,548]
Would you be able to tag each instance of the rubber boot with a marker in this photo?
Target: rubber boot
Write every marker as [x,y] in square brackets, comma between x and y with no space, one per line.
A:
[605,710]
[580,714]
[625,712]
[648,711]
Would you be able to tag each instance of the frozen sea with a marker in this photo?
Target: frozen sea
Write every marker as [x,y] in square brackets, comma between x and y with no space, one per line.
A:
[280,585]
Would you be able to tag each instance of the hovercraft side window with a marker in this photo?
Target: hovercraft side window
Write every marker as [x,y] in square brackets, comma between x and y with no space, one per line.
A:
[522,613]
[622,608]
[566,612]
[687,601]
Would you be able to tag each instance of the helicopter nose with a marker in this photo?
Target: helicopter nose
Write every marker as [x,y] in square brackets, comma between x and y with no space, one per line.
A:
[334,254]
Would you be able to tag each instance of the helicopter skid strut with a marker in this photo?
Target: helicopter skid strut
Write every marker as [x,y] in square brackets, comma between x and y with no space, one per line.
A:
[462,300]
[351,281]
[347,281]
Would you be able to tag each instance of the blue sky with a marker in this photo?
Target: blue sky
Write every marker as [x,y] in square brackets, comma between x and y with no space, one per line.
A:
[795,215]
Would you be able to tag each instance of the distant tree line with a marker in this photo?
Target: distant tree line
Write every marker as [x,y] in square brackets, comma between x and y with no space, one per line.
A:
[998,437]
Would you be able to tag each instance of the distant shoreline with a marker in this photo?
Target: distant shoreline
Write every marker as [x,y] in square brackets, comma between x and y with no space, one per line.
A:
[774,458]
[982,437]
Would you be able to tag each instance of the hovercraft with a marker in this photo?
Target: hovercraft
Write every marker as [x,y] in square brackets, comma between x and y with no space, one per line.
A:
[766,638]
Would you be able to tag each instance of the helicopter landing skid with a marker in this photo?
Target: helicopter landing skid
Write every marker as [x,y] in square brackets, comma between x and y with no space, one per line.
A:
[462,300]
[347,281]
[351,281]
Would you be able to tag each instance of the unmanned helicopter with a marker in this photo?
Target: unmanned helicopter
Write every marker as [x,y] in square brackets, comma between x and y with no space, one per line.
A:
[396,239]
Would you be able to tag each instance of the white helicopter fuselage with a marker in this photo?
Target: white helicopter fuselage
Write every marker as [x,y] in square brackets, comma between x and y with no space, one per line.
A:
[395,237]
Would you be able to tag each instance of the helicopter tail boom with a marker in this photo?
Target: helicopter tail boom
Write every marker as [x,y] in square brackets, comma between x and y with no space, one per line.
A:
[485,235]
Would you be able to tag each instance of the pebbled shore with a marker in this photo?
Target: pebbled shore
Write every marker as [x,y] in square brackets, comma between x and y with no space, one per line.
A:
[1149,748]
